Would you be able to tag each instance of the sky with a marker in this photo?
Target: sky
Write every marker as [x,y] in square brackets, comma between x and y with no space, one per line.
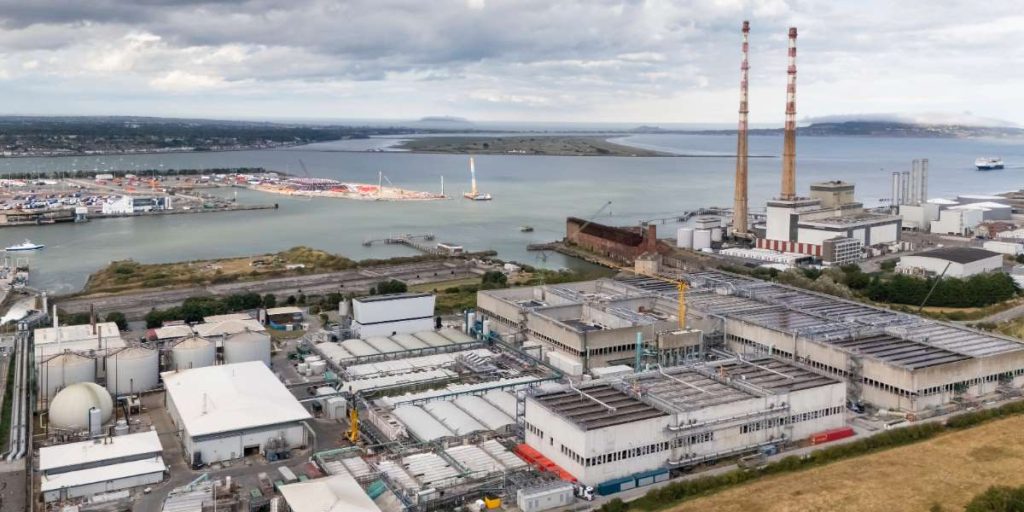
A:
[658,61]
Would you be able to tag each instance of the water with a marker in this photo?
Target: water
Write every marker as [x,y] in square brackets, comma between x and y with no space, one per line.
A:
[528,190]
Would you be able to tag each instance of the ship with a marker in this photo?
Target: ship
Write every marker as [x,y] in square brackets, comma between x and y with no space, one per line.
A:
[526,229]
[27,245]
[988,163]
[473,194]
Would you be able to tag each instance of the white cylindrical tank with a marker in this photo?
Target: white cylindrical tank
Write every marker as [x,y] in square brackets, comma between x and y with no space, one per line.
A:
[64,370]
[70,408]
[470,319]
[132,370]
[684,238]
[247,346]
[701,239]
[193,352]
[487,327]
[716,234]
[121,428]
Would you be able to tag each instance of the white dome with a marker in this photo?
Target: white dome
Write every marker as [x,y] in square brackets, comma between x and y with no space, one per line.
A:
[70,408]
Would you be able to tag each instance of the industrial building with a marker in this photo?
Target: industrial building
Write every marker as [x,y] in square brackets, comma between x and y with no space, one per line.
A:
[87,468]
[340,492]
[387,315]
[588,325]
[233,410]
[128,205]
[650,422]
[621,244]
[951,261]
[76,338]
[889,359]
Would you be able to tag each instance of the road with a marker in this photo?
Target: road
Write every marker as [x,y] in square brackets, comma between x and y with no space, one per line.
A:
[135,305]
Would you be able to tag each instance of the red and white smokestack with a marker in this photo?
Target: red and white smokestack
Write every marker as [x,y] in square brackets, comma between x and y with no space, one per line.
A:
[739,209]
[789,142]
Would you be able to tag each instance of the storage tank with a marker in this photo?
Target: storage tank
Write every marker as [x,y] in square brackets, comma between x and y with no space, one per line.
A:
[684,238]
[193,352]
[132,370]
[64,370]
[70,408]
[716,234]
[247,346]
[701,239]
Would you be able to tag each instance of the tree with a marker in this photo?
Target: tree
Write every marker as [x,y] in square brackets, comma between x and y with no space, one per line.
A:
[77,319]
[291,300]
[493,279]
[998,499]
[269,300]
[389,286]
[118,318]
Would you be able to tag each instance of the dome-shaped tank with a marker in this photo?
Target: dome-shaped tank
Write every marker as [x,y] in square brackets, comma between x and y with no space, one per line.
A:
[70,408]
[132,370]
[193,352]
[64,370]
[247,346]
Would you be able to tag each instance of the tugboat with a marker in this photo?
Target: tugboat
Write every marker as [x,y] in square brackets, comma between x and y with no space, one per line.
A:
[27,245]
[988,163]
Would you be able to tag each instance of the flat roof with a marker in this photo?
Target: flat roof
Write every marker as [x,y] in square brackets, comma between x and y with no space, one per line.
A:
[336,493]
[957,254]
[73,454]
[212,319]
[390,296]
[72,333]
[172,331]
[230,397]
[286,310]
[942,201]
[229,327]
[865,218]
[590,409]
[102,474]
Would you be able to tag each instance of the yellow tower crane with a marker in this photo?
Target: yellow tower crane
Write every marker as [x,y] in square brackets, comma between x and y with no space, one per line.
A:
[681,287]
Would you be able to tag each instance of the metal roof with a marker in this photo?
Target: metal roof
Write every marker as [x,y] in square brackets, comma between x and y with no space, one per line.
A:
[597,407]
[336,493]
[73,333]
[482,411]
[231,397]
[421,424]
[102,474]
[85,452]
[957,254]
[453,418]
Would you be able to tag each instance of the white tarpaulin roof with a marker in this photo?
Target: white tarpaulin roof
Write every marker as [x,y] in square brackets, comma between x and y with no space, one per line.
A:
[482,410]
[421,424]
[336,493]
[453,418]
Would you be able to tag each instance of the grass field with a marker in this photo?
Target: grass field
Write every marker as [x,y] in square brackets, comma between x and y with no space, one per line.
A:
[948,470]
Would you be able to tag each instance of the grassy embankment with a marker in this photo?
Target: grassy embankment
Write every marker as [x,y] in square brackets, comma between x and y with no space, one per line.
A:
[128,275]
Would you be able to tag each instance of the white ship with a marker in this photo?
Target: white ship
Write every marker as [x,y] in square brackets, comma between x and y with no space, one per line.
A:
[473,195]
[988,163]
[27,245]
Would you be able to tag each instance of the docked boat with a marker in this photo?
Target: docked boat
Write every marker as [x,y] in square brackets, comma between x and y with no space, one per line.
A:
[27,245]
[473,194]
[988,163]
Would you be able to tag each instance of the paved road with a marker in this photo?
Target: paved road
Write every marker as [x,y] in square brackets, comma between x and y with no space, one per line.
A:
[136,304]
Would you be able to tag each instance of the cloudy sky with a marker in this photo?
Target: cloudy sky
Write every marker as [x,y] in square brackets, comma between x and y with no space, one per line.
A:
[657,61]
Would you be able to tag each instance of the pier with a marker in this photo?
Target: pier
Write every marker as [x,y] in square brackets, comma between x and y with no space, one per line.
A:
[417,242]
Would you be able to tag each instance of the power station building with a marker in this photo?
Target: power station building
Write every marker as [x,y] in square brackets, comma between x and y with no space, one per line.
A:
[646,423]
[802,225]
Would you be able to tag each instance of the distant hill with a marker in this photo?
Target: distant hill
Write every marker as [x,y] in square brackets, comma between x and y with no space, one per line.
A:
[891,129]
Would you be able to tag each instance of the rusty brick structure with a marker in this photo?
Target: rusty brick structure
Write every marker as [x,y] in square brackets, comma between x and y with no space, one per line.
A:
[622,244]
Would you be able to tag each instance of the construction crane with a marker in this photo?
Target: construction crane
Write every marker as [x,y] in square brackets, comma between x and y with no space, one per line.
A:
[304,170]
[590,220]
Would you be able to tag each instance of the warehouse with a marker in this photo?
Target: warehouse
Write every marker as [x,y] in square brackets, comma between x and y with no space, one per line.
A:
[231,411]
[339,492]
[647,423]
[891,360]
[387,315]
[588,325]
[80,470]
[951,261]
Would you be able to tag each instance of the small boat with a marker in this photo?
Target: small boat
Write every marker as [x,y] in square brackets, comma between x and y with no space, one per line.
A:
[988,163]
[526,229]
[27,245]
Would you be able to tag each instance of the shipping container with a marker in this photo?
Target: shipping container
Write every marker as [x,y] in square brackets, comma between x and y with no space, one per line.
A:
[831,435]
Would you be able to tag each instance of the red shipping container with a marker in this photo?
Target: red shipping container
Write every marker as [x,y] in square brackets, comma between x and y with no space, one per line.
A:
[832,435]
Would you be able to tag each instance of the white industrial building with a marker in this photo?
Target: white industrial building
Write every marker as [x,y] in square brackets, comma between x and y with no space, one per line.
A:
[229,411]
[961,262]
[957,221]
[127,205]
[340,492]
[76,338]
[802,225]
[680,416]
[81,470]
[386,315]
